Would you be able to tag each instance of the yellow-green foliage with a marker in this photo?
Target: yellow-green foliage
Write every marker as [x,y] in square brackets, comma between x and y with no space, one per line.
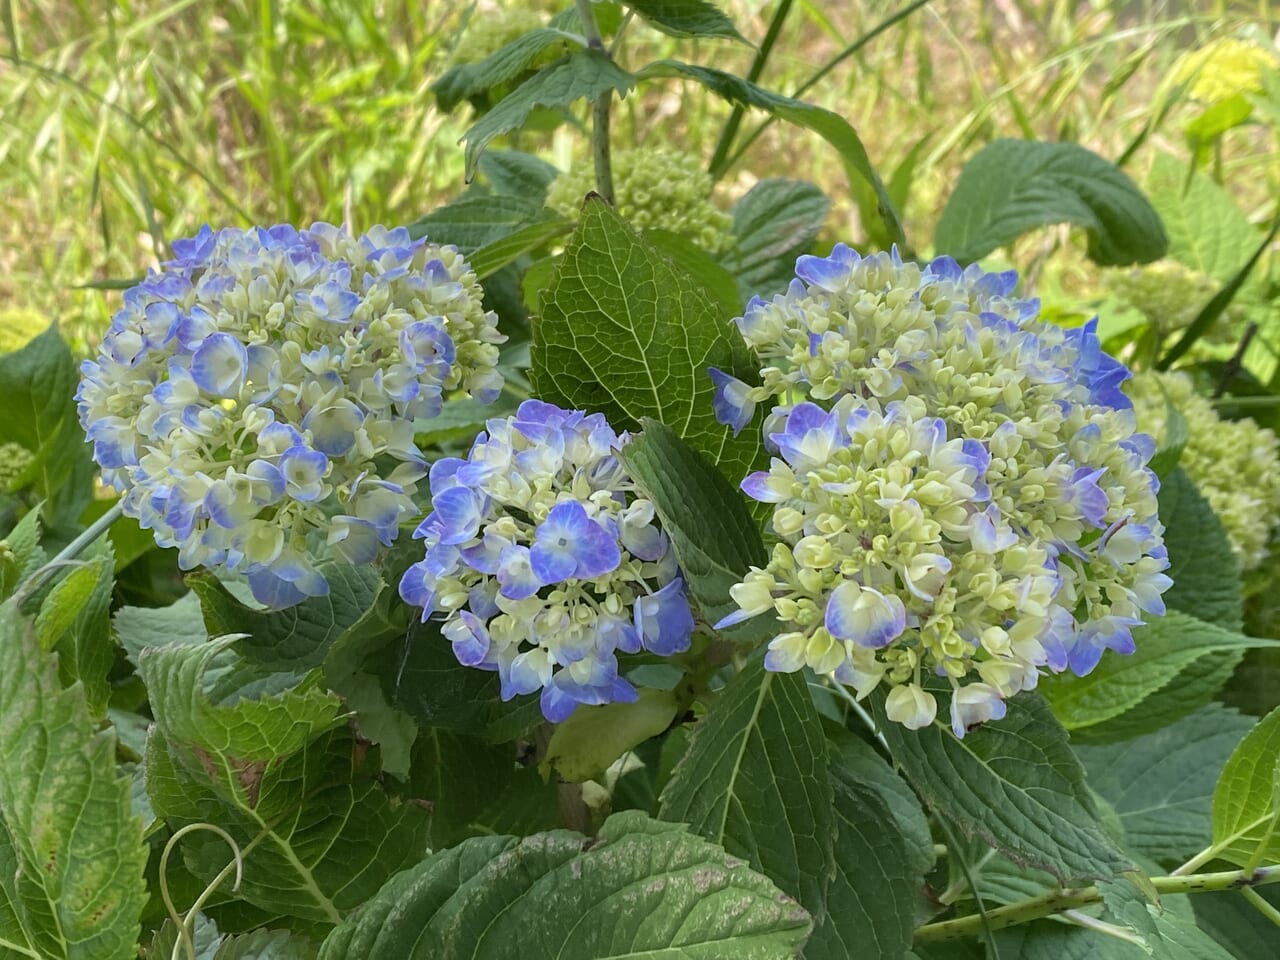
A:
[1225,68]
[655,190]
[1235,463]
[17,327]
[1169,295]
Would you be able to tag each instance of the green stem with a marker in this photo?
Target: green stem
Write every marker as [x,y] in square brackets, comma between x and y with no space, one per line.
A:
[886,24]
[69,552]
[719,162]
[1268,910]
[1060,901]
[599,109]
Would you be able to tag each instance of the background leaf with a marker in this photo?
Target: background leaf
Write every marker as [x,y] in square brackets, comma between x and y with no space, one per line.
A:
[686,18]
[773,224]
[640,888]
[75,621]
[1010,187]
[1207,231]
[472,221]
[755,780]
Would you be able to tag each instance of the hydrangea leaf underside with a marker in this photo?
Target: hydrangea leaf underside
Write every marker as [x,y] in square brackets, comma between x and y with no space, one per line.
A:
[640,888]
[626,332]
[1014,783]
[755,779]
[1012,186]
[71,850]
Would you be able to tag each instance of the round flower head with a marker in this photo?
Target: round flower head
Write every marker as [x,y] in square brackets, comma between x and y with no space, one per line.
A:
[545,563]
[655,190]
[969,499]
[1169,295]
[254,400]
[1235,464]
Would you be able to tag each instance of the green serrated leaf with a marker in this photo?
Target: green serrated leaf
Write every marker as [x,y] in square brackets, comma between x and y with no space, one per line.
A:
[686,18]
[1010,187]
[71,851]
[583,74]
[714,279]
[1207,231]
[1245,814]
[626,332]
[466,80]
[181,623]
[266,945]
[75,620]
[830,126]
[710,527]
[773,224]
[640,888]
[20,553]
[1161,785]
[471,222]
[1014,783]
[1165,647]
[295,638]
[755,780]
[318,833]
[498,253]
[518,174]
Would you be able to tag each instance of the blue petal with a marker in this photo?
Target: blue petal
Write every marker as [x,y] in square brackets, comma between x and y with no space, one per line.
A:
[664,620]
[731,401]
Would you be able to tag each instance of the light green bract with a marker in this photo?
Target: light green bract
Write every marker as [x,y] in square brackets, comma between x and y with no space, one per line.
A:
[967,496]
[655,190]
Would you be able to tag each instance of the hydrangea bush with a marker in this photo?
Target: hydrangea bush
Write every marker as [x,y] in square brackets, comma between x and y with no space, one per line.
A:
[545,585]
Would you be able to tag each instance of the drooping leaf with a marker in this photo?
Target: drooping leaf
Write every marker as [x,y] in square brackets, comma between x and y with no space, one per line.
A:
[626,332]
[755,780]
[75,621]
[1010,187]
[710,527]
[71,851]
[773,224]
[297,637]
[470,222]
[1207,231]
[1161,785]
[1014,783]
[686,18]
[582,75]
[830,126]
[320,835]
[466,80]
[640,888]
[1165,647]
[1246,808]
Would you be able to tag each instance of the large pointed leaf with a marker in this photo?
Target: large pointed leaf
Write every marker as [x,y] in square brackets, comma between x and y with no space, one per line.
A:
[1010,187]
[711,529]
[1161,785]
[71,850]
[1014,783]
[626,332]
[639,889]
[755,779]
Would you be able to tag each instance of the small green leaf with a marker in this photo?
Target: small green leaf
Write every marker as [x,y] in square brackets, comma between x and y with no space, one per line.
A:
[755,780]
[466,80]
[1244,803]
[71,851]
[1014,783]
[639,889]
[1165,646]
[180,623]
[1161,785]
[686,18]
[471,222]
[583,74]
[773,224]
[75,620]
[626,332]
[266,945]
[714,537]
[830,126]
[1010,187]
[589,741]
[20,553]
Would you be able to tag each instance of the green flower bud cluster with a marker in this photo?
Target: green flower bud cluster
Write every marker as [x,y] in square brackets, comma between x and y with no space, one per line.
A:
[1170,295]
[1225,68]
[487,33]
[14,460]
[1234,463]
[654,190]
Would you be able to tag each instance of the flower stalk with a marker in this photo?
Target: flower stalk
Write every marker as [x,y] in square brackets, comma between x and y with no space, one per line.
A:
[599,109]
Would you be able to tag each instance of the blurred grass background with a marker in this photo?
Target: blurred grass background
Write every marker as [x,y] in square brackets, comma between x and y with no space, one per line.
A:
[124,124]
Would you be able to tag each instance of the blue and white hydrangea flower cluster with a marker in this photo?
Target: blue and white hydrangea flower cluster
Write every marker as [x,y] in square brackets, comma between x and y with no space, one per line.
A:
[546,563]
[254,400]
[958,488]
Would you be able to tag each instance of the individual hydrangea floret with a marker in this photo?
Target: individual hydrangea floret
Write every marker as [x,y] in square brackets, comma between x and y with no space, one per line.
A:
[1235,464]
[254,401]
[958,489]
[654,190]
[545,563]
